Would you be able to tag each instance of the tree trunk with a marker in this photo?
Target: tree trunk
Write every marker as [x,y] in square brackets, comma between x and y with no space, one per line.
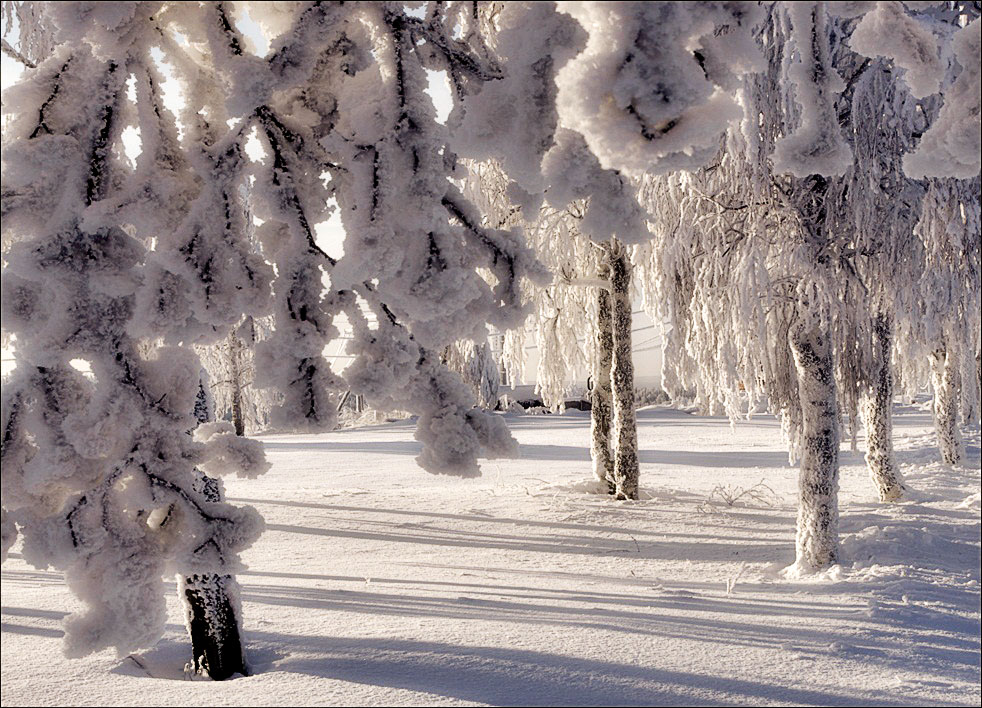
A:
[975,414]
[817,538]
[211,602]
[944,376]
[486,371]
[235,347]
[626,469]
[601,421]
[878,420]
[976,417]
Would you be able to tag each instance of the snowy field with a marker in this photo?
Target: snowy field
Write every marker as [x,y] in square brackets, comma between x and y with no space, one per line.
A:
[376,583]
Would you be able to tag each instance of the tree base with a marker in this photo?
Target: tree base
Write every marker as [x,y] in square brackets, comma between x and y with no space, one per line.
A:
[213,624]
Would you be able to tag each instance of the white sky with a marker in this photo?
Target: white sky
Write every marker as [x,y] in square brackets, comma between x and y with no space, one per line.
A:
[10,71]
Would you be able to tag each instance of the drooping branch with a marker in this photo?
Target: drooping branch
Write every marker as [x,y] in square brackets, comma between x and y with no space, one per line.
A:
[14,54]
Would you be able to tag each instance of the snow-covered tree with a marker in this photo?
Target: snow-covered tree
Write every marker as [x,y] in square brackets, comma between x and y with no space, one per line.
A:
[26,25]
[505,130]
[105,260]
[748,259]
[752,264]
[475,364]
[100,469]
[648,95]
[610,215]
[570,316]
[940,334]
[637,98]
[932,269]
[212,606]
[906,263]
[116,268]
[878,206]
[232,371]
[413,245]
[951,147]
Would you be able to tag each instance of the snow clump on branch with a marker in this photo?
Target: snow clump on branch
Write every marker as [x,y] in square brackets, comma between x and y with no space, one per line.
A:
[952,146]
[649,91]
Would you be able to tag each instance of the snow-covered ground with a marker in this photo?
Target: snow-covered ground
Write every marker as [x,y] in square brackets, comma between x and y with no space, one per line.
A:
[376,583]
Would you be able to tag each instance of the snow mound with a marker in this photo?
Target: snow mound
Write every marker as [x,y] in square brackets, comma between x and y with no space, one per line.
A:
[802,572]
[973,501]
[876,548]
[581,486]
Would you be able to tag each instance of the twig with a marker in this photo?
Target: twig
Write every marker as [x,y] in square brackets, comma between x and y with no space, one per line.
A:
[141,665]
[14,54]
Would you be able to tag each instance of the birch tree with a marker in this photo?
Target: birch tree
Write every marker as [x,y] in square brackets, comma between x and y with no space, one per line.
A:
[636,99]
[100,474]
[104,260]
[476,366]
[748,258]
[231,377]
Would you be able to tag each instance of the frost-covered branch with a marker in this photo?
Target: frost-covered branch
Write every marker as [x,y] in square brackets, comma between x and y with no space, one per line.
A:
[83,455]
[15,55]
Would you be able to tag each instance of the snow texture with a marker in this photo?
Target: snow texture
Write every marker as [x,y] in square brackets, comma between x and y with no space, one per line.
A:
[647,93]
[888,31]
[99,467]
[952,146]
[573,172]
[816,146]
[513,118]
[376,585]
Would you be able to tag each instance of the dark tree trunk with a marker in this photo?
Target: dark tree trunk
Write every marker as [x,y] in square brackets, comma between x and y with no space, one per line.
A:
[236,348]
[877,414]
[211,602]
[213,623]
[601,411]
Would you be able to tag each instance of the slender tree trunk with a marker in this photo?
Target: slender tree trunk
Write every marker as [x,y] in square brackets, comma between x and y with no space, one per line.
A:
[626,468]
[854,415]
[235,374]
[211,602]
[817,539]
[878,420]
[971,400]
[601,411]
[944,376]
[975,417]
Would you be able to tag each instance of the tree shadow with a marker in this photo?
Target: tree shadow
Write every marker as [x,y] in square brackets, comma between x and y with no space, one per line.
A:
[502,676]
[748,550]
[496,675]
[471,531]
[681,611]
[378,447]
[27,629]
[653,456]
[559,453]
[482,518]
